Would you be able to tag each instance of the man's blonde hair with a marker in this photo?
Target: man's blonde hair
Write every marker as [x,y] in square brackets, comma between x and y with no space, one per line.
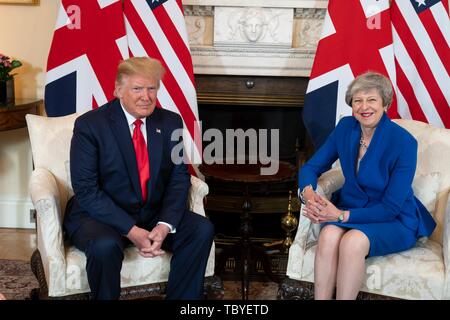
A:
[143,66]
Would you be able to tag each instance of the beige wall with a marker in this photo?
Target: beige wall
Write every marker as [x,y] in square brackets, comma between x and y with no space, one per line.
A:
[26,33]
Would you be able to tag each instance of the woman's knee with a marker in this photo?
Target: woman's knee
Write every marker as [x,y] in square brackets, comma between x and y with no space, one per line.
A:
[330,237]
[353,243]
[330,234]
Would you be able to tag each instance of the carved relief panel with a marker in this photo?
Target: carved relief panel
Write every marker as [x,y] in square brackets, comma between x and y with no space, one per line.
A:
[253,26]
[308,27]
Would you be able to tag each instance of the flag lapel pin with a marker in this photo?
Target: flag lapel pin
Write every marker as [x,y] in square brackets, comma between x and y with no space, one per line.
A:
[158,130]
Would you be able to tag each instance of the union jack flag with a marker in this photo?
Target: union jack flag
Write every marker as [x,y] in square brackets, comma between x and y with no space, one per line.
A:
[407,40]
[84,56]
[88,43]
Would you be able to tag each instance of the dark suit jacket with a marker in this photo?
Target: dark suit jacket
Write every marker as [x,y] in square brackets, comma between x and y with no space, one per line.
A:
[382,189]
[104,172]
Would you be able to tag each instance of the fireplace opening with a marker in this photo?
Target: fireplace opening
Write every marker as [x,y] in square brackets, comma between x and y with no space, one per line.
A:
[252,104]
[260,124]
[290,145]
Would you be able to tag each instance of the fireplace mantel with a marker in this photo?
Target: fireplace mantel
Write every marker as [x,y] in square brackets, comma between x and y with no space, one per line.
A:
[251,90]
[254,37]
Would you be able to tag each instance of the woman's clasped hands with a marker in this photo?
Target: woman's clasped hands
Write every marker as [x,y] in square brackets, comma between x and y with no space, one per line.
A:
[319,209]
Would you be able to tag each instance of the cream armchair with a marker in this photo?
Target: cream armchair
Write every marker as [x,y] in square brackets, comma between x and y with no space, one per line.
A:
[60,267]
[422,272]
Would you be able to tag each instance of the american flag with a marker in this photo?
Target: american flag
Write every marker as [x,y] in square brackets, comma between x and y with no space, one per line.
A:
[92,36]
[421,32]
[156,28]
[363,35]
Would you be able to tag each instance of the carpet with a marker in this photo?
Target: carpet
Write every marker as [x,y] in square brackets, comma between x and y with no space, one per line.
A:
[17,281]
[257,290]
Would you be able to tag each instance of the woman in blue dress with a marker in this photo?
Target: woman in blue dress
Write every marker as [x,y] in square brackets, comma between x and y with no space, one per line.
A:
[375,212]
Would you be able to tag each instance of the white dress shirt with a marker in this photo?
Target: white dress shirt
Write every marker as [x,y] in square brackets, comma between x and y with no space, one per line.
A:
[130,121]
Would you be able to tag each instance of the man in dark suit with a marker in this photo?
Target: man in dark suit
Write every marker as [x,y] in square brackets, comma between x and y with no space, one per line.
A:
[128,189]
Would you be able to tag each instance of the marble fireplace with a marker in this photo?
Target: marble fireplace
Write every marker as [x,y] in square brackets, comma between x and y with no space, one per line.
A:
[254,37]
[251,62]
[253,58]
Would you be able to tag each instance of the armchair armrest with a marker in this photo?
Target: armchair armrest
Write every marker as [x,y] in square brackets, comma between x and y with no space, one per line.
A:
[46,197]
[197,193]
[446,249]
[307,232]
[330,181]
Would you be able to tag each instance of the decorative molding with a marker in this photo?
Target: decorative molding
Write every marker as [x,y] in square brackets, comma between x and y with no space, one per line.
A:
[307,33]
[196,29]
[261,3]
[252,61]
[202,11]
[310,13]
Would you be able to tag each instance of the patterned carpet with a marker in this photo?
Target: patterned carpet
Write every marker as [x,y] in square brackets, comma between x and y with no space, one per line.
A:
[17,280]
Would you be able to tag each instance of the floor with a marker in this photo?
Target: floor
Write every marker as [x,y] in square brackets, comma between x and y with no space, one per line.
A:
[17,244]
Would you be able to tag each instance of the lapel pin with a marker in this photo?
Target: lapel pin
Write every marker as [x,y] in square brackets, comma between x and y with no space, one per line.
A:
[158,130]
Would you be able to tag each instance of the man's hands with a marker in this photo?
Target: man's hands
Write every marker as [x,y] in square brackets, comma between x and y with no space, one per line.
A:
[148,242]
[319,209]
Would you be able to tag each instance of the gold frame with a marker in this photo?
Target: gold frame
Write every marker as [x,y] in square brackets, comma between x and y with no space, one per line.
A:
[20,2]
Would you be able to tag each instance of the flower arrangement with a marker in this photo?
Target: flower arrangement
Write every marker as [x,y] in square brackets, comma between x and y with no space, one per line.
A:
[6,66]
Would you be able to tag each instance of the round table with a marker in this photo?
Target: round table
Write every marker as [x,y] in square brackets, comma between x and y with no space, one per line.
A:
[240,188]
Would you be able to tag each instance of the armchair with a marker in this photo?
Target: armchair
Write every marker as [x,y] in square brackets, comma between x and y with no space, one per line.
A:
[422,272]
[58,266]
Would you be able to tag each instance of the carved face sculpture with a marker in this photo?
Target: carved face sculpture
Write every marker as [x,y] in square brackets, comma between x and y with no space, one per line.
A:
[253,23]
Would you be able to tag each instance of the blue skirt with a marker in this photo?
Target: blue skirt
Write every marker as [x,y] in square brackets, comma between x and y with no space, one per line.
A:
[385,237]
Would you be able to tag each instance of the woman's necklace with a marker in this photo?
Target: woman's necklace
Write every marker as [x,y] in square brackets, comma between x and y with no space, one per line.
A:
[362,143]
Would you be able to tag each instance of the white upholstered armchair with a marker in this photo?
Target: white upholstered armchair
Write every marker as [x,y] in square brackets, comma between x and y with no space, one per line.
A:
[422,272]
[60,267]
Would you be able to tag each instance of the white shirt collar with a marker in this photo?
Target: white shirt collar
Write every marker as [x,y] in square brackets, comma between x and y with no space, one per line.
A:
[131,119]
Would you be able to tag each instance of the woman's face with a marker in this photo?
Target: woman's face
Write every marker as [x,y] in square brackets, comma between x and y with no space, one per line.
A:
[367,107]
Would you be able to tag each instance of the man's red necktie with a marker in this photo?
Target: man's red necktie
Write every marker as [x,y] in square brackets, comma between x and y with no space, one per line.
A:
[140,147]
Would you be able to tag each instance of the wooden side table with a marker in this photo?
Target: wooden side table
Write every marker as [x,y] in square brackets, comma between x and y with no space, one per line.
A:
[242,189]
[13,116]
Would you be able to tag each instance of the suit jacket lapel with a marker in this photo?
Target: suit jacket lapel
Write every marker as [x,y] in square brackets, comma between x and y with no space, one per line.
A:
[376,145]
[122,135]
[154,146]
[355,136]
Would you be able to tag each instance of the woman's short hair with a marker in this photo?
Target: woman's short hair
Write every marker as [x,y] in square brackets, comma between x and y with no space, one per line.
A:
[368,81]
[143,66]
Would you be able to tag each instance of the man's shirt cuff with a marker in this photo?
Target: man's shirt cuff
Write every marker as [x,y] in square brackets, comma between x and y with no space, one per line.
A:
[171,228]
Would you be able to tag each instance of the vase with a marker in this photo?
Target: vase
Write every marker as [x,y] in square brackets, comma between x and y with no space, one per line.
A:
[7,92]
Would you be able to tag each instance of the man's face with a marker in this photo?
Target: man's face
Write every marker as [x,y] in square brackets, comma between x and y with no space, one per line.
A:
[137,95]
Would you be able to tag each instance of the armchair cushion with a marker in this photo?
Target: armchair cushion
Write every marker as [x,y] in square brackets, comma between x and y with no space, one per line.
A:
[413,274]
